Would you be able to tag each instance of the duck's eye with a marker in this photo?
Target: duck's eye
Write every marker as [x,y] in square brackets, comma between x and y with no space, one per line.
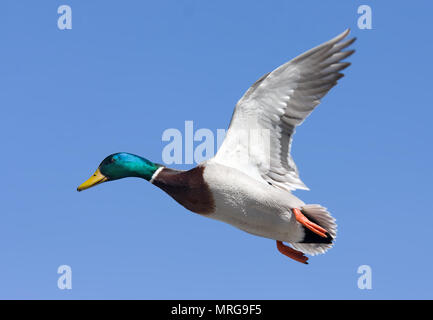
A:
[112,160]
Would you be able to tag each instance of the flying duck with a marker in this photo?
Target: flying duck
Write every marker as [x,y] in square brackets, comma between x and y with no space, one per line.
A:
[248,183]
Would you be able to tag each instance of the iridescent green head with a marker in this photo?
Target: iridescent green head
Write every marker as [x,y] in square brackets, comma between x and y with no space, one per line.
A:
[121,165]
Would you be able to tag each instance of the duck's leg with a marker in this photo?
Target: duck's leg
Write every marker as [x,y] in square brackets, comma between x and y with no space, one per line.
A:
[291,253]
[309,224]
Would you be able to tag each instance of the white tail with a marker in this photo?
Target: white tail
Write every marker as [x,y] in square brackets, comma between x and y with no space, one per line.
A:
[324,219]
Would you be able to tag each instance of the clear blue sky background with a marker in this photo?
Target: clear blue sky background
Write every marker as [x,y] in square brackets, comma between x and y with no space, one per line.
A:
[128,70]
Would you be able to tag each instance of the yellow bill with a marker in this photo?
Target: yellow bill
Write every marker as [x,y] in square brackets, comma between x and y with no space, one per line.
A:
[95,179]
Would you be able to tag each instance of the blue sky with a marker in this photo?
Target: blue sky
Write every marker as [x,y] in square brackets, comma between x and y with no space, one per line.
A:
[128,70]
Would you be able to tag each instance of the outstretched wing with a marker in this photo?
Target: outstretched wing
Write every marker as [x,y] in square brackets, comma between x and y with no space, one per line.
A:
[260,133]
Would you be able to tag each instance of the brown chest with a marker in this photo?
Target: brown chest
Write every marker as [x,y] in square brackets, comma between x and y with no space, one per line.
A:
[188,188]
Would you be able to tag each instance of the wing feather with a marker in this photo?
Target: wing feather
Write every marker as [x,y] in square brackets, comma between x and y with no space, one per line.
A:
[260,134]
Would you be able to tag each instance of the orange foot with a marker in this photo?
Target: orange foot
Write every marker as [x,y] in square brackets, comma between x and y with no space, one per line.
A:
[291,253]
[308,224]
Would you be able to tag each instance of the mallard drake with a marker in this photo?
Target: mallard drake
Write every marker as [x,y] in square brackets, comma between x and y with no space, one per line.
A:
[248,183]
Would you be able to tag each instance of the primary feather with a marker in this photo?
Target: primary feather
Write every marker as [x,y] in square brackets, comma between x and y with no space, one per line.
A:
[260,134]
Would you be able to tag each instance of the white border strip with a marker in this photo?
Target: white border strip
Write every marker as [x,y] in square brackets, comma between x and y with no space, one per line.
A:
[155,174]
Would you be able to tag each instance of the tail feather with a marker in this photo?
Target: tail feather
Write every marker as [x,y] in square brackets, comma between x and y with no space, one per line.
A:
[312,244]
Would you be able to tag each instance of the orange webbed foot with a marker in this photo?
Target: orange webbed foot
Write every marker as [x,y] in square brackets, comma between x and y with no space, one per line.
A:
[291,253]
[309,224]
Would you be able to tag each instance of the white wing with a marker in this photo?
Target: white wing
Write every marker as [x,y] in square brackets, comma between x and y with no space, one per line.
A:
[260,133]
